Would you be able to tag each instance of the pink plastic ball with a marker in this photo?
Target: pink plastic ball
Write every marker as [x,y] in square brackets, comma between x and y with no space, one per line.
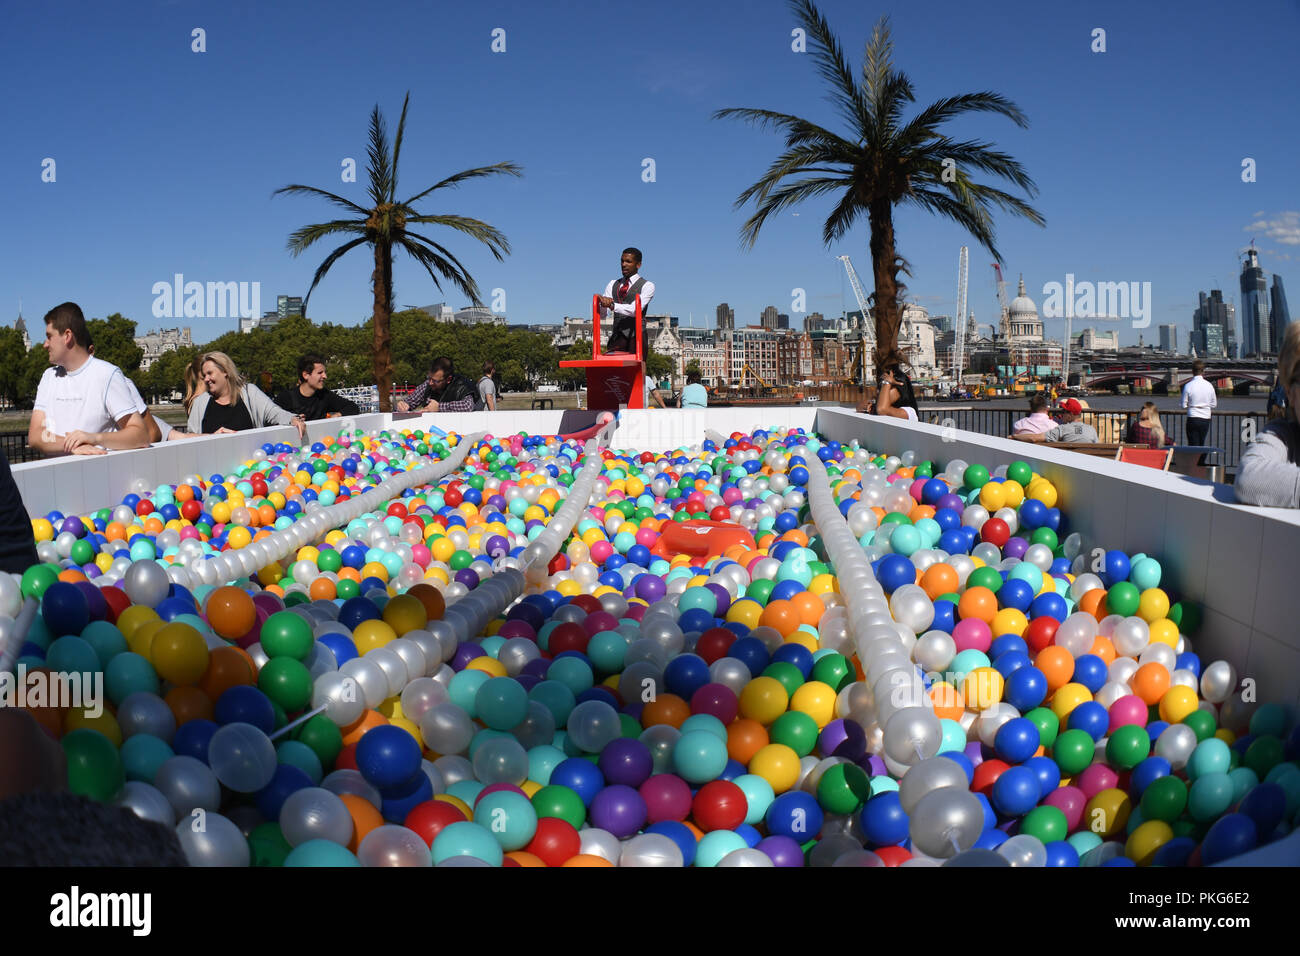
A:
[970,633]
[731,496]
[600,551]
[1070,801]
[667,797]
[1127,710]
[646,537]
[1097,778]
[420,555]
[915,490]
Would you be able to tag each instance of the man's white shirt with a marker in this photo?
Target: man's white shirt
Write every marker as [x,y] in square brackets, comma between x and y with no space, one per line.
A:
[91,399]
[1199,398]
[629,308]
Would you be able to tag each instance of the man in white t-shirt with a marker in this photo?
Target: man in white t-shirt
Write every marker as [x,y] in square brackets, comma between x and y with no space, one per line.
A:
[1199,399]
[83,404]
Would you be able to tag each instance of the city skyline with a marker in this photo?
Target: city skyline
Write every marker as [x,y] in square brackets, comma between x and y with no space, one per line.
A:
[175,168]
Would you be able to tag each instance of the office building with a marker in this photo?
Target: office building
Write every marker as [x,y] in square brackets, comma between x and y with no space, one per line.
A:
[768,320]
[1279,314]
[1256,329]
[1169,338]
[1213,311]
[726,317]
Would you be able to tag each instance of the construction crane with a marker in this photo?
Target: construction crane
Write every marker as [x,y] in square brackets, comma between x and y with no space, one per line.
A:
[758,378]
[868,337]
[1006,315]
[959,324]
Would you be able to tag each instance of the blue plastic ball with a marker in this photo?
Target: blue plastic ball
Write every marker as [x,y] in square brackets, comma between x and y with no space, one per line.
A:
[388,756]
[883,821]
[1016,740]
[1016,791]
[795,814]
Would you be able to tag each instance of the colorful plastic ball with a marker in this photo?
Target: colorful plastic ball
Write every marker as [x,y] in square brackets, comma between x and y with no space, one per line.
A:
[501,703]
[579,776]
[320,853]
[94,765]
[65,609]
[388,756]
[626,761]
[719,805]
[1015,792]
[1230,836]
[796,815]
[285,682]
[699,756]
[1016,740]
[508,816]
[843,788]
[285,634]
[245,704]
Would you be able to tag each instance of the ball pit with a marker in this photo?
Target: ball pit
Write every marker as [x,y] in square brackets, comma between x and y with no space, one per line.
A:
[410,648]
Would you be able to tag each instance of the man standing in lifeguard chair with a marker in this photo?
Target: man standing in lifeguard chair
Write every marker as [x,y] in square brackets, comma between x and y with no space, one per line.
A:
[620,299]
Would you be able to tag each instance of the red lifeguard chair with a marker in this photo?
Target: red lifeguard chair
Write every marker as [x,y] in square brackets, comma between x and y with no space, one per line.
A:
[613,381]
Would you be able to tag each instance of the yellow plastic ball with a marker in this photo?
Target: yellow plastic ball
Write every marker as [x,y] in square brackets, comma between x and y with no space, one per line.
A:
[1153,605]
[805,638]
[1012,494]
[530,788]
[1164,631]
[1067,698]
[778,765]
[1046,493]
[221,512]
[489,665]
[141,639]
[1107,813]
[745,612]
[239,537]
[763,699]
[405,613]
[133,617]
[105,723]
[307,553]
[270,574]
[371,634]
[390,708]
[178,653]
[1146,840]
[982,688]
[569,588]
[1177,703]
[992,497]
[375,570]
[442,548]
[815,699]
[824,584]
[406,724]
[1226,735]
[42,529]
[1009,621]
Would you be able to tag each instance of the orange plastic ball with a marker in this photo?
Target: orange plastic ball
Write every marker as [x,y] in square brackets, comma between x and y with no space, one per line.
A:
[1150,682]
[189,703]
[231,612]
[1057,665]
[431,598]
[665,709]
[939,579]
[365,817]
[227,667]
[978,603]
[783,616]
[746,737]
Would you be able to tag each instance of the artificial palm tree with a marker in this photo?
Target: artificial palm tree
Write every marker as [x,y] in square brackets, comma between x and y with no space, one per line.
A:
[386,226]
[882,162]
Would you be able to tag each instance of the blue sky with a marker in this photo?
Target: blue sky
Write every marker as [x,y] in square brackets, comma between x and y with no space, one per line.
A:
[165,159]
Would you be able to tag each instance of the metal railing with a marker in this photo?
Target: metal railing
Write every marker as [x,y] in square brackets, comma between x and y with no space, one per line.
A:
[1229,431]
[15,447]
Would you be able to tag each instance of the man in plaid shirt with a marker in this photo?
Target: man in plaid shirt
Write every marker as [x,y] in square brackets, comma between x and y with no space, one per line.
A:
[442,391]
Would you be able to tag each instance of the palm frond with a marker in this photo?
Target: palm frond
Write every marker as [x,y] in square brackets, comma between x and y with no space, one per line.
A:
[798,160]
[832,64]
[380,167]
[490,236]
[313,191]
[798,131]
[324,267]
[437,265]
[507,169]
[440,249]
[397,148]
[787,195]
[302,239]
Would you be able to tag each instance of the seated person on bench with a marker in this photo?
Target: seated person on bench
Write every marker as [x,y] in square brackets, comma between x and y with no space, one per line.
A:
[1070,429]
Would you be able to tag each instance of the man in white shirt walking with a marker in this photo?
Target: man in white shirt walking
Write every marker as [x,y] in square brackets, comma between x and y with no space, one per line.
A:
[84,405]
[1199,399]
[620,301]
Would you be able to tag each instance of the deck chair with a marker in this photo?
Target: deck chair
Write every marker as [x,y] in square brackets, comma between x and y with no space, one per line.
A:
[1147,457]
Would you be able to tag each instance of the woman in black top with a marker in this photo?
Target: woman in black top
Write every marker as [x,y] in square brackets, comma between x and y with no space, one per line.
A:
[230,404]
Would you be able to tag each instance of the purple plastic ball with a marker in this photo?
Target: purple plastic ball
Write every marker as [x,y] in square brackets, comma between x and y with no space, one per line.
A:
[74,525]
[650,588]
[468,578]
[618,809]
[1015,548]
[464,654]
[626,761]
[782,851]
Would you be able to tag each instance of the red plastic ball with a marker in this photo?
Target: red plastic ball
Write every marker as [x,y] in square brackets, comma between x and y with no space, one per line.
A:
[995,531]
[720,513]
[397,508]
[892,855]
[587,602]
[347,758]
[569,636]
[428,819]
[986,774]
[719,805]
[453,497]
[191,510]
[554,841]
[117,602]
[714,644]
[1040,632]
[144,508]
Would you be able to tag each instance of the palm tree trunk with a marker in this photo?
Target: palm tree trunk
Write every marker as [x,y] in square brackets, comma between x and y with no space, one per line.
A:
[884,266]
[382,279]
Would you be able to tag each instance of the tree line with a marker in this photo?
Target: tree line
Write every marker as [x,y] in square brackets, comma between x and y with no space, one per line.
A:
[523,359]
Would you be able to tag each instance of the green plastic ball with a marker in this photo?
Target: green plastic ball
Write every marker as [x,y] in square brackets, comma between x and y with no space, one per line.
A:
[796,730]
[1164,799]
[1073,751]
[269,847]
[1202,723]
[94,765]
[1128,746]
[843,788]
[1123,599]
[1046,823]
[285,634]
[1020,472]
[561,802]
[286,682]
